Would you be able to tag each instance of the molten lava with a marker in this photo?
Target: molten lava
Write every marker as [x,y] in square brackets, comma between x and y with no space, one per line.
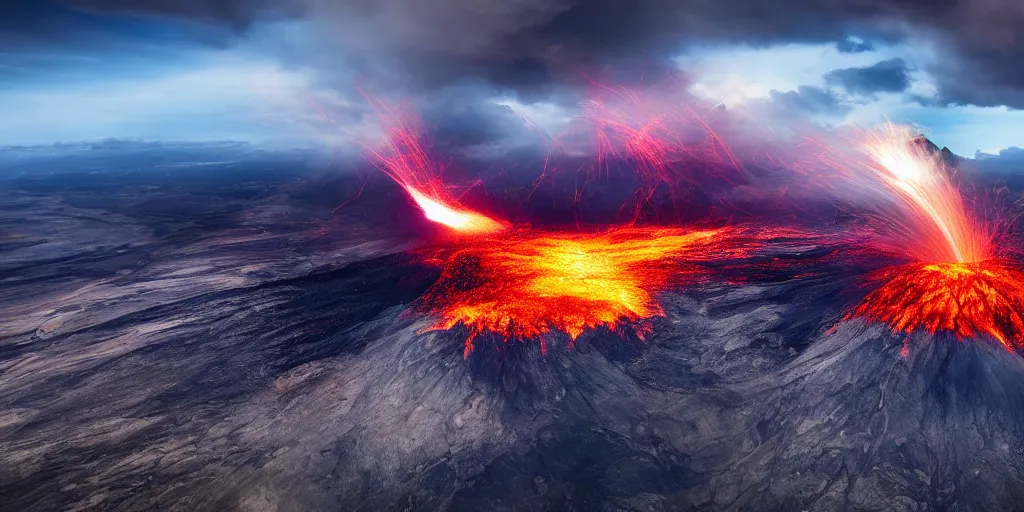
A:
[526,283]
[523,284]
[962,298]
[954,283]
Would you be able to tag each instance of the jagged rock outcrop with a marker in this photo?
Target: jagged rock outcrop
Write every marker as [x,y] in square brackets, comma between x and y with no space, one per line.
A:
[951,159]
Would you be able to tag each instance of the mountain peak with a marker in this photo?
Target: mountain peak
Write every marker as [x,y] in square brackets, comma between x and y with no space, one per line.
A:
[951,159]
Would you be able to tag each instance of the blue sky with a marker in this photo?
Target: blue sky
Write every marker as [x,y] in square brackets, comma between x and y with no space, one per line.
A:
[212,96]
[121,76]
[744,76]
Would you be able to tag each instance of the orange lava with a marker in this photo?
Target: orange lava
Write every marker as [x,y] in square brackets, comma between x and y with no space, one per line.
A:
[523,284]
[965,299]
[526,283]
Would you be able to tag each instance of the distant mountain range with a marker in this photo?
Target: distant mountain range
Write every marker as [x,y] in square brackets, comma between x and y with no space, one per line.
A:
[122,144]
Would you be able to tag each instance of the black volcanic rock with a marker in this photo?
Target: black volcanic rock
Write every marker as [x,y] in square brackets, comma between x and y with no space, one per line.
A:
[950,158]
[927,144]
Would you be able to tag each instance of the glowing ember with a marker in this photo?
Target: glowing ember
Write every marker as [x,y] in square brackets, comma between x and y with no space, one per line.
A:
[654,135]
[527,284]
[965,299]
[404,159]
[953,285]
[642,138]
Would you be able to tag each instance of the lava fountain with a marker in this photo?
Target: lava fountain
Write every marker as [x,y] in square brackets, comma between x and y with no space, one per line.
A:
[955,282]
[526,283]
[931,222]
[404,159]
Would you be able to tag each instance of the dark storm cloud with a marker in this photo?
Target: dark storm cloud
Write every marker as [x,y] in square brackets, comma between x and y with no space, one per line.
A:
[43,42]
[237,13]
[26,24]
[1009,160]
[886,76]
[526,45]
[459,120]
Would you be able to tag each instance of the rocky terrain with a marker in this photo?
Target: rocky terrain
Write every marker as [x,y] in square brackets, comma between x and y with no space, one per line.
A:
[224,338]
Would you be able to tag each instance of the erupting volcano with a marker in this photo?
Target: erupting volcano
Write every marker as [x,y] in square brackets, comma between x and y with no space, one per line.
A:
[962,298]
[955,283]
[526,283]
[243,245]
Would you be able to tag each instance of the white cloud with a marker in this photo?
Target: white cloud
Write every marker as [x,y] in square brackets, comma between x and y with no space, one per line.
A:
[736,74]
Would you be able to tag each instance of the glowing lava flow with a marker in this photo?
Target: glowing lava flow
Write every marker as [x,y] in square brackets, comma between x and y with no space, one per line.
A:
[954,285]
[526,284]
[453,216]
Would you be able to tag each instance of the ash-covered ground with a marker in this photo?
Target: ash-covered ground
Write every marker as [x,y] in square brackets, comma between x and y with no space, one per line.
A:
[201,329]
